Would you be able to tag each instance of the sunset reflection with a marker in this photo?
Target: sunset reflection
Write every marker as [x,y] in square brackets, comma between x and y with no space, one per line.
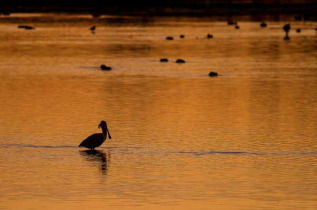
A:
[203,114]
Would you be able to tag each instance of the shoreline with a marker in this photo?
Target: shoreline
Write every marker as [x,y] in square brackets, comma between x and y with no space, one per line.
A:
[255,11]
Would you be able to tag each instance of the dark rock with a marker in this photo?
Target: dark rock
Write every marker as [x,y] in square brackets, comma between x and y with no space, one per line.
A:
[213,74]
[163,60]
[169,38]
[180,61]
[105,68]
[263,25]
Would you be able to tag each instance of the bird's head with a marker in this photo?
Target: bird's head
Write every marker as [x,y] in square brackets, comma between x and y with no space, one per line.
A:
[102,124]
[104,127]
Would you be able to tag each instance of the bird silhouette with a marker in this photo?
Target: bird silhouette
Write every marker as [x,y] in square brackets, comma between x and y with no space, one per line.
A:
[97,139]
[286,28]
[93,28]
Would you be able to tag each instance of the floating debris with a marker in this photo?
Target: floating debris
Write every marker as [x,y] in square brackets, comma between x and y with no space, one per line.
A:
[209,36]
[182,36]
[237,27]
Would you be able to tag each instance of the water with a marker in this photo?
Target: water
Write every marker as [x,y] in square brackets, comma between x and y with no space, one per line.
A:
[180,139]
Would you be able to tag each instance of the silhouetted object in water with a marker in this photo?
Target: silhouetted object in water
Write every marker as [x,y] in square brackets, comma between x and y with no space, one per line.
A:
[164,60]
[230,22]
[180,61]
[209,36]
[169,38]
[97,156]
[26,27]
[105,68]
[182,36]
[286,28]
[29,27]
[237,27]
[298,17]
[93,28]
[298,30]
[213,74]
[97,139]
[263,25]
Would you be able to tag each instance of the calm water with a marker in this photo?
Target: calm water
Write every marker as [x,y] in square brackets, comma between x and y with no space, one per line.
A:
[180,139]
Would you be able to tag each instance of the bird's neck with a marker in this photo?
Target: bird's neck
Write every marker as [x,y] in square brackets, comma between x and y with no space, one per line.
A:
[104,130]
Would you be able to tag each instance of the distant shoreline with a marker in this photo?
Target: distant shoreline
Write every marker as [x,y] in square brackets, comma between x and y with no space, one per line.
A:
[306,11]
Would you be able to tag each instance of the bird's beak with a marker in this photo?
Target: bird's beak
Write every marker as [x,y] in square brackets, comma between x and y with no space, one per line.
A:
[109,133]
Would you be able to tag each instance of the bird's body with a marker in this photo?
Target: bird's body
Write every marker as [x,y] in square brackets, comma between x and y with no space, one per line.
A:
[97,139]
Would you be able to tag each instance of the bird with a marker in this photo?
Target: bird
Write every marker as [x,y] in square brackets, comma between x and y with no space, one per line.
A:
[169,38]
[180,61]
[213,74]
[286,28]
[105,68]
[97,139]
[163,60]
[92,29]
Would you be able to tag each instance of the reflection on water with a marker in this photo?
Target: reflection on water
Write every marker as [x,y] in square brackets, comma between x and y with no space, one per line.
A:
[97,156]
[181,140]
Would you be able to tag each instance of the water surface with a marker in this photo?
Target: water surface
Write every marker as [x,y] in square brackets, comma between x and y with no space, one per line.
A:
[180,139]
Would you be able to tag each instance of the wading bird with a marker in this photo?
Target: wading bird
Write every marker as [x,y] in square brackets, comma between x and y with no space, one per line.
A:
[93,28]
[286,28]
[95,140]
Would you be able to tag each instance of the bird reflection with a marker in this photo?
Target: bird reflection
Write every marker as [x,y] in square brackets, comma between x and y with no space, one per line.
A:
[97,156]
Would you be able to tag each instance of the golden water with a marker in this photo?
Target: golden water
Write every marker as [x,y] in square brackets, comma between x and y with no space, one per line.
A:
[180,139]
